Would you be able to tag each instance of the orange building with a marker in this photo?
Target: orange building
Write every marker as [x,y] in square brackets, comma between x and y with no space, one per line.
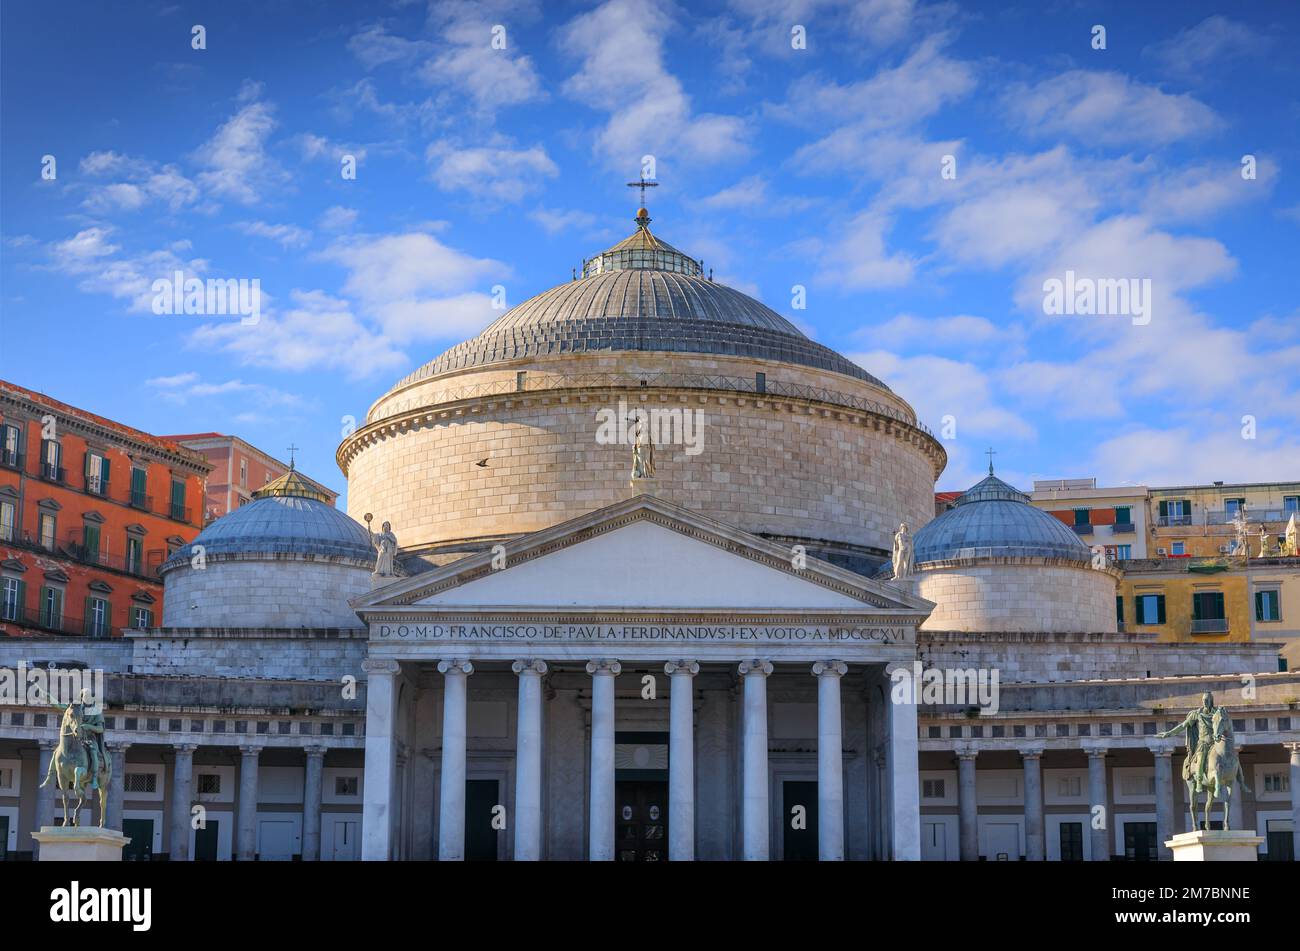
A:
[238,469]
[89,510]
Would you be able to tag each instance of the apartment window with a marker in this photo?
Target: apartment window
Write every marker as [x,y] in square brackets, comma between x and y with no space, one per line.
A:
[96,473]
[1291,503]
[1081,518]
[7,516]
[1267,607]
[1123,552]
[141,618]
[1150,608]
[12,445]
[1177,548]
[97,617]
[178,500]
[141,782]
[243,473]
[11,599]
[1277,783]
[1207,606]
[209,784]
[1123,515]
[346,786]
[134,555]
[139,486]
[51,607]
[1175,512]
[49,527]
[51,459]
[90,541]
[1119,609]
[1232,506]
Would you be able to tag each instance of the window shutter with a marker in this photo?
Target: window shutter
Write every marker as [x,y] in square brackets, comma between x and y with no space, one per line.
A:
[1196,607]
[22,597]
[1119,608]
[1164,509]
[103,469]
[1259,605]
[1160,609]
[1217,601]
[88,622]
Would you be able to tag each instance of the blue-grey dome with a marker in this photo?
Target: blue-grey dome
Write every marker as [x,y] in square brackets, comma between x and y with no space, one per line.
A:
[995,520]
[281,524]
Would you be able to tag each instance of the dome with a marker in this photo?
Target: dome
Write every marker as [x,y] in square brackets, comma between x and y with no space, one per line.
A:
[641,294]
[994,520]
[275,523]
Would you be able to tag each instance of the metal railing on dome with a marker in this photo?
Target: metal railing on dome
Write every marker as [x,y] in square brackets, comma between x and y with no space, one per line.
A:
[530,383]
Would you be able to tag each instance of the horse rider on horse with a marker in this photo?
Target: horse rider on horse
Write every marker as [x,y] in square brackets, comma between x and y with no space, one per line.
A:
[1199,726]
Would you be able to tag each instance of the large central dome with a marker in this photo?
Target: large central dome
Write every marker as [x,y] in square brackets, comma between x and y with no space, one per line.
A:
[641,294]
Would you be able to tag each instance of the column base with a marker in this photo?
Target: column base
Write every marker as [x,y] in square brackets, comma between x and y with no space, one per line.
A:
[1216,845]
[80,844]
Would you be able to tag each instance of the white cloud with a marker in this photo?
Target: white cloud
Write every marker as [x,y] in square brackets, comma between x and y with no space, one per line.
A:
[375,46]
[620,46]
[961,330]
[237,163]
[499,173]
[858,257]
[291,236]
[337,218]
[1108,109]
[556,220]
[96,262]
[1213,450]
[1204,49]
[142,182]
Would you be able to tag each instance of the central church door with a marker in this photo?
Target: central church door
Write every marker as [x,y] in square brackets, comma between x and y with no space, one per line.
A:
[642,820]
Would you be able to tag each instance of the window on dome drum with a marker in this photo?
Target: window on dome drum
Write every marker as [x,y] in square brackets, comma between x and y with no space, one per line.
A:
[1150,608]
[1267,605]
[1207,613]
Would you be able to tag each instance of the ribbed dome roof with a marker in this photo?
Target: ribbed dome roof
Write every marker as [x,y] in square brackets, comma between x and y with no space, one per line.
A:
[641,294]
[281,524]
[993,519]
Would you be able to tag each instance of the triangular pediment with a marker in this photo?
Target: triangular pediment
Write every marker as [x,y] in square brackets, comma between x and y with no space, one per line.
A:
[643,553]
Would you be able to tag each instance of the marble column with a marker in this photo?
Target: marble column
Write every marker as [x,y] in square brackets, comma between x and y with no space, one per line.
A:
[830,760]
[116,783]
[311,799]
[1295,799]
[755,829]
[681,759]
[904,772]
[600,834]
[451,800]
[528,761]
[967,805]
[381,759]
[1032,758]
[1163,754]
[1098,807]
[246,820]
[178,834]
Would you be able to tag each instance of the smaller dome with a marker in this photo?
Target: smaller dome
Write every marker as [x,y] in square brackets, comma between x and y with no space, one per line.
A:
[277,524]
[995,520]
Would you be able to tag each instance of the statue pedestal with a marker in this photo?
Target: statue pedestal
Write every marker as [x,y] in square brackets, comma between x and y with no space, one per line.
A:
[80,844]
[1216,845]
[642,486]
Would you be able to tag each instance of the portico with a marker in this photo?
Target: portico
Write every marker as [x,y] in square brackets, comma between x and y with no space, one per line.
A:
[617,628]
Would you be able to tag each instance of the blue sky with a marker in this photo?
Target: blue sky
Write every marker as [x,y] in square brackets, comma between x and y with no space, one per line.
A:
[819,167]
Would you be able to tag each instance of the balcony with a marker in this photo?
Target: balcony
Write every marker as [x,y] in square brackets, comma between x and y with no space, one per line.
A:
[179,513]
[1252,515]
[1217,625]
[141,501]
[11,459]
[1123,528]
[1082,529]
[1173,521]
[96,486]
[58,623]
[52,473]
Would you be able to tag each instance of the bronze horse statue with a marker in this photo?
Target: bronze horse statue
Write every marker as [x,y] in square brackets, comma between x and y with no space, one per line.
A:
[70,765]
[1222,771]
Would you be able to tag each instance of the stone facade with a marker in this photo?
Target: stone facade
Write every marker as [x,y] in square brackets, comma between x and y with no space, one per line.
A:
[1019,595]
[239,592]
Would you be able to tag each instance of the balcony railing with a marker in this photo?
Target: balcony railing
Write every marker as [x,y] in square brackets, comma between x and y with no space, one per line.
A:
[1252,515]
[1082,529]
[52,473]
[1168,521]
[1122,528]
[11,459]
[97,486]
[58,623]
[1218,625]
[141,501]
[141,567]
[179,513]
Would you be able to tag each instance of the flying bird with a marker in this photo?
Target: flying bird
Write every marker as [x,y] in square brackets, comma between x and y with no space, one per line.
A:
[482,463]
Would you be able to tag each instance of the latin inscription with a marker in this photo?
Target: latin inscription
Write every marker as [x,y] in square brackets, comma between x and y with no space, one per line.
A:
[638,632]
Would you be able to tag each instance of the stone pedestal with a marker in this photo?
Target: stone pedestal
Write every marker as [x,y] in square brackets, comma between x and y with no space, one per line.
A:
[642,486]
[80,844]
[1216,846]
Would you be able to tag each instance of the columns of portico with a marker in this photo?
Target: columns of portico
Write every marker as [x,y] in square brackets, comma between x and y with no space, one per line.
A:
[311,799]
[116,783]
[381,759]
[451,800]
[1099,808]
[830,760]
[182,796]
[1295,799]
[967,805]
[904,770]
[601,830]
[681,760]
[528,761]
[246,821]
[1163,754]
[1034,834]
[756,816]
[1236,807]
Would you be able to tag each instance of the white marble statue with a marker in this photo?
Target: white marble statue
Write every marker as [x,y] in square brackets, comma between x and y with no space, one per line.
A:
[1292,537]
[902,553]
[1242,528]
[1263,543]
[643,453]
[385,544]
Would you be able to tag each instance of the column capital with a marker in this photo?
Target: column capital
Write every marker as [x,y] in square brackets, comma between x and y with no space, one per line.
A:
[756,666]
[315,751]
[117,746]
[1031,752]
[1295,752]
[1095,750]
[380,665]
[830,668]
[529,666]
[604,666]
[966,751]
[179,747]
[689,667]
[250,749]
[453,665]
[1161,747]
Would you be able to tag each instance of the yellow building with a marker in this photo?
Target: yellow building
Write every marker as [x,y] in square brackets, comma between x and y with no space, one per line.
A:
[1198,519]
